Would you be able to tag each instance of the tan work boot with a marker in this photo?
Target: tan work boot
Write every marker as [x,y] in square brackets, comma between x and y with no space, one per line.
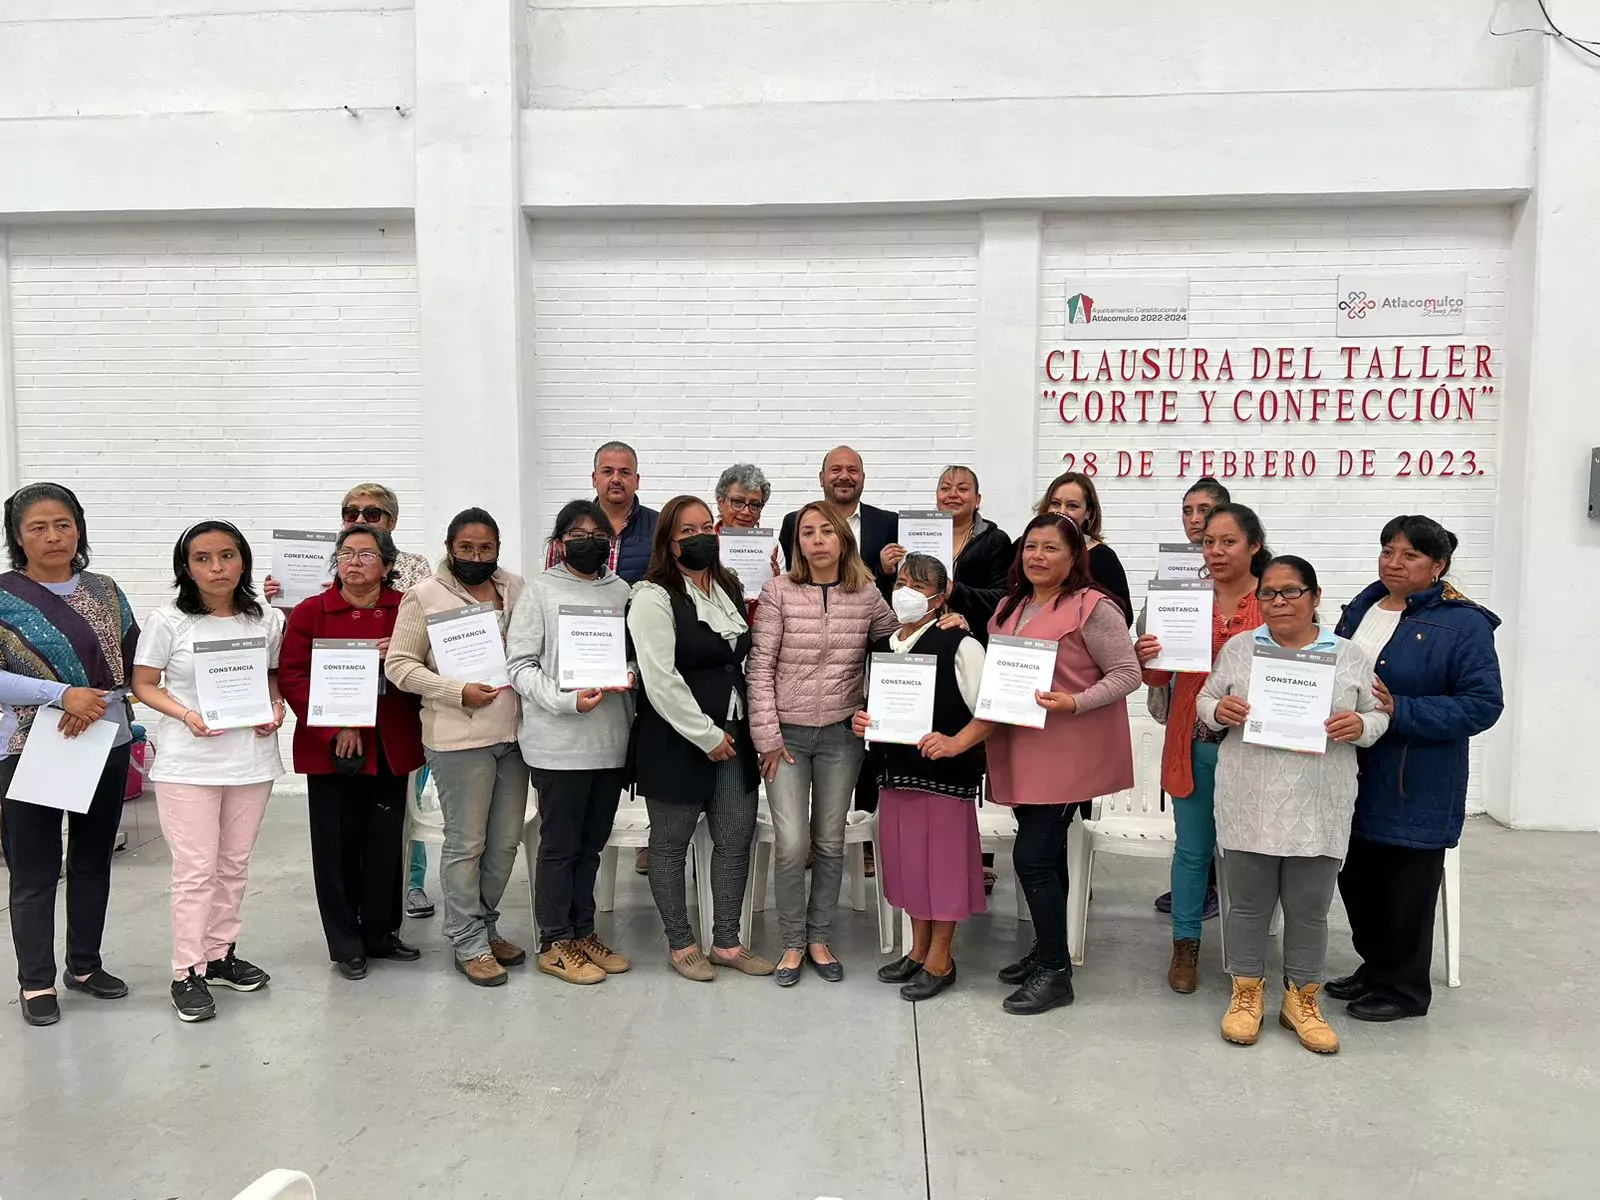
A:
[1184,974]
[507,954]
[602,955]
[1242,1022]
[1301,1014]
[566,960]
[482,970]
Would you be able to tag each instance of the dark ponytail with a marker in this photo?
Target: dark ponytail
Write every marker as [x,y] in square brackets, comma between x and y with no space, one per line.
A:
[1253,530]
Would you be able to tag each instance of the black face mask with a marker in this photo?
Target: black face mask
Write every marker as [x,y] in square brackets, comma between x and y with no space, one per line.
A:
[586,556]
[698,552]
[473,573]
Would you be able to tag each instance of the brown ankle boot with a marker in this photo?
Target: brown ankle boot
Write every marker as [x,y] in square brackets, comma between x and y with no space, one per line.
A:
[1184,974]
[1242,1022]
[1301,1014]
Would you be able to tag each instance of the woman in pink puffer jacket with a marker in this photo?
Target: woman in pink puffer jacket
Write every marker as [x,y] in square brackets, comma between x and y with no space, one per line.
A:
[807,676]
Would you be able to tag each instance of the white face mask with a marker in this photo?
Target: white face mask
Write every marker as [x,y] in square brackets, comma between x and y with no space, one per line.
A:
[910,605]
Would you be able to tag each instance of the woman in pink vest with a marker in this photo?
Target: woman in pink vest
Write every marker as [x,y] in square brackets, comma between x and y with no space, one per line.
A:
[1084,749]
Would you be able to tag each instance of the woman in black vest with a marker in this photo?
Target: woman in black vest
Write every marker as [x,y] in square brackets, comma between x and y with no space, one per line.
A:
[927,812]
[691,750]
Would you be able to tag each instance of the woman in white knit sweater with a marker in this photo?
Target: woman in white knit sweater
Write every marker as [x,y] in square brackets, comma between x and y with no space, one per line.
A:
[1283,816]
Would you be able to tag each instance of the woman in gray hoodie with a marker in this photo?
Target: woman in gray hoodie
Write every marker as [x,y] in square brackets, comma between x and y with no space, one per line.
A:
[576,742]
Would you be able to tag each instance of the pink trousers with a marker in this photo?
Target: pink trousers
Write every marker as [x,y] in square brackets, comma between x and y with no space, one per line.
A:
[210,832]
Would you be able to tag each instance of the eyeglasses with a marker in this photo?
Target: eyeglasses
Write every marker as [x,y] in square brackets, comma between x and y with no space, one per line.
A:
[369,515]
[578,539]
[754,506]
[1268,595]
[365,557]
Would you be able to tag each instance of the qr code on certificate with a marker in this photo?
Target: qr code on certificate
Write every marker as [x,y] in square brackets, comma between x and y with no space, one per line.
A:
[316,710]
[212,714]
[1255,726]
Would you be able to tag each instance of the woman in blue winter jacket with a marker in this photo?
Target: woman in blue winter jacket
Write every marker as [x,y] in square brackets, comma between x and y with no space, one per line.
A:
[1439,679]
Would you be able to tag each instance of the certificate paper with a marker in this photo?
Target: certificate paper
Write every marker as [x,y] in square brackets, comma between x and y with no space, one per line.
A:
[592,647]
[1180,560]
[1178,615]
[1013,670]
[1291,697]
[748,554]
[61,772]
[900,697]
[344,683]
[928,531]
[300,562]
[467,645]
[230,680]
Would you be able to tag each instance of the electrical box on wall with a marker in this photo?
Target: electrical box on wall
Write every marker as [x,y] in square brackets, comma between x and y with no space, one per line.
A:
[1594,483]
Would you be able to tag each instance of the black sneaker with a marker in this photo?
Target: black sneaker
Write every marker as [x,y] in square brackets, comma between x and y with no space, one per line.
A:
[1044,989]
[192,998]
[233,972]
[1019,971]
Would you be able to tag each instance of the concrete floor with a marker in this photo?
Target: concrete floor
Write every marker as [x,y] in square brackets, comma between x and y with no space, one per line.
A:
[413,1084]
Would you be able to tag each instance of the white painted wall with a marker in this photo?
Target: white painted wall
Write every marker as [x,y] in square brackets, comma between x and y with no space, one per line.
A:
[709,343]
[963,152]
[169,373]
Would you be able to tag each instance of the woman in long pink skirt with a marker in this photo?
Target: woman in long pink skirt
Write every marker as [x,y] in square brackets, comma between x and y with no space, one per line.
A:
[929,861]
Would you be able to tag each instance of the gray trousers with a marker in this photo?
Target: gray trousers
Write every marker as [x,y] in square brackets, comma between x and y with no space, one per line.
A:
[1257,883]
[810,799]
[483,794]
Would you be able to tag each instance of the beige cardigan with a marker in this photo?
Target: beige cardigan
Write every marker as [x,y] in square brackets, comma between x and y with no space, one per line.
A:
[446,723]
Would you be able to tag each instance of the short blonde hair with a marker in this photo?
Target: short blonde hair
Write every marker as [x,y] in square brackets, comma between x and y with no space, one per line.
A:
[853,573]
[387,500]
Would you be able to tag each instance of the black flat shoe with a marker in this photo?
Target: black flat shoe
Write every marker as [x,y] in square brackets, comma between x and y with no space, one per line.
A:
[833,972]
[100,985]
[40,1010]
[1044,989]
[786,976]
[1348,987]
[901,970]
[395,950]
[352,968]
[1018,971]
[1377,1008]
[926,986]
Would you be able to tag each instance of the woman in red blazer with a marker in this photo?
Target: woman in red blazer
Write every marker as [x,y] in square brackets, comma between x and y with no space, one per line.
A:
[356,778]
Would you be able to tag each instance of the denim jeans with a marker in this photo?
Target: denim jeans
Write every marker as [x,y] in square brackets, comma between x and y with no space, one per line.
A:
[810,799]
[1195,817]
[483,794]
[417,867]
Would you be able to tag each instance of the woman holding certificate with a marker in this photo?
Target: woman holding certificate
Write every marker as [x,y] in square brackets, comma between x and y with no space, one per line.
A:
[566,655]
[66,640]
[355,763]
[1058,666]
[1439,679]
[1299,702]
[929,854]
[1235,548]
[212,781]
[980,553]
[691,751]
[449,648]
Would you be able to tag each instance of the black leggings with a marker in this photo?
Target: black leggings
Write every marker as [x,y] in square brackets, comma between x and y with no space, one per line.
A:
[1041,873]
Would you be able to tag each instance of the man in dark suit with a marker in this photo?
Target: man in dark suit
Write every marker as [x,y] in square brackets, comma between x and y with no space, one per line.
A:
[842,477]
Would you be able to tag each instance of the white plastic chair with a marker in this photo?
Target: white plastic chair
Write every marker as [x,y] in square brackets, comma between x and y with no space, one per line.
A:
[1450,902]
[1132,823]
[280,1185]
[860,828]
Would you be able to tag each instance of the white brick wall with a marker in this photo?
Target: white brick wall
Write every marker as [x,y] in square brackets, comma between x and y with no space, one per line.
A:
[169,373]
[711,342]
[1268,278]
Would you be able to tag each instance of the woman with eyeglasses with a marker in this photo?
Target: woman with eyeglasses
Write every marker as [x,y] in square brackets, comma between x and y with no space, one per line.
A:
[67,637]
[470,732]
[1235,547]
[212,786]
[1283,816]
[574,740]
[356,778]
[742,494]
